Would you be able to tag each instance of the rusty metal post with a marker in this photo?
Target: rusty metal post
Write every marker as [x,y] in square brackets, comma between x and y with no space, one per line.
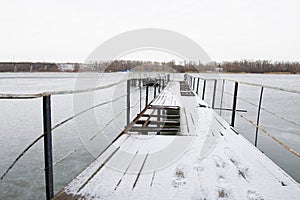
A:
[128,102]
[159,86]
[48,147]
[140,85]
[147,91]
[194,83]
[214,94]
[197,86]
[258,114]
[222,95]
[203,91]
[234,103]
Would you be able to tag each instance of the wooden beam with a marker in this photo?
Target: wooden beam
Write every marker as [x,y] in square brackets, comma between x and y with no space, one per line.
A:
[162,116]
[175,123]
[153,129]
[164,107]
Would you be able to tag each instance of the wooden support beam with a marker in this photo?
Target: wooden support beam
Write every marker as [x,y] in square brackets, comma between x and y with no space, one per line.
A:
[167,123]
[153,129]
[162,116]
[164,107]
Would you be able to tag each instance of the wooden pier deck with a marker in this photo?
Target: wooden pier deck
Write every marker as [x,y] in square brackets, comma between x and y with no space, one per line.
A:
[179,148]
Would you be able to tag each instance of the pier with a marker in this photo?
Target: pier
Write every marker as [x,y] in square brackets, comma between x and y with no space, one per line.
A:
[178,147]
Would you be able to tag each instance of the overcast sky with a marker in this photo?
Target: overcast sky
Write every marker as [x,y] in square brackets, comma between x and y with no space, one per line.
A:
[68,30]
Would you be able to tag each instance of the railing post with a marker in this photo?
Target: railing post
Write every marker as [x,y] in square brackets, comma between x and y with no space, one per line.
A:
[140,85]
[222,95]
[194,83]
[258,114]
[159,86]
[203,91]
[214,94]
[128,102]
[197,86]
[234,103]
[147,90]
[154,93]
[48,147]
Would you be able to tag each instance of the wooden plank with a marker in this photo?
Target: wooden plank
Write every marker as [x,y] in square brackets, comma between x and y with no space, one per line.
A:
[175,123]
[162,116]
[153,129]
[164,107]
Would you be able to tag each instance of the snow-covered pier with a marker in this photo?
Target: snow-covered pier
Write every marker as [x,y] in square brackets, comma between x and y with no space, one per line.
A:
[180,148]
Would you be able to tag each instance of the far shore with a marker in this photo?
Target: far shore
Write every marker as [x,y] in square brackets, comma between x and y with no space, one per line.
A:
[204,72]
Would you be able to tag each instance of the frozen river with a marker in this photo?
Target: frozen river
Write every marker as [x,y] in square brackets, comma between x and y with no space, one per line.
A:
[84,138]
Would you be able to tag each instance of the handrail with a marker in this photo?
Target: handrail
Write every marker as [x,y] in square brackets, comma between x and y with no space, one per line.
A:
[234,110]
[272,136]
[63,92]
[266,86]
[270,112]
[254,84]
[260,85]
[55,127]
[47,134]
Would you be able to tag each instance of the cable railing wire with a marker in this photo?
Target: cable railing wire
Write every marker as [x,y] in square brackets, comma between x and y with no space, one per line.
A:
[270,112]
[107,124]
[267,86]
[249,102]
[272,136]
[92,138]
[280,117]
[264,109]
[99,132]
[255,84]
[63,92]
[137,102]
[55,127]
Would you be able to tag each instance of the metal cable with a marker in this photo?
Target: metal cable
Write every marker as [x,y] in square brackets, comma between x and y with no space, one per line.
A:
[280,117]
[272,136]
[245,100]
[37,95]
[107,124]
[270,112]
[258,85]
[55,127]
[93,137]
[137,102]
[266,86]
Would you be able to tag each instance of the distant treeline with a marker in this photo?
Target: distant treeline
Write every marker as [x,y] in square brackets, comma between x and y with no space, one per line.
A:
[148,66]
[246,66]
[38,67]
[260,66]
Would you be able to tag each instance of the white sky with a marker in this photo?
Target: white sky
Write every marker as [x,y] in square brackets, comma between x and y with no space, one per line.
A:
[66,30]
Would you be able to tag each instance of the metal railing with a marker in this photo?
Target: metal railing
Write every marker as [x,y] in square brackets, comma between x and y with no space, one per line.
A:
[195,82]
[47,122]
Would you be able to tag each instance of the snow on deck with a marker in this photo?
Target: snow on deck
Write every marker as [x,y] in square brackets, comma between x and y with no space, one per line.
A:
[206,161]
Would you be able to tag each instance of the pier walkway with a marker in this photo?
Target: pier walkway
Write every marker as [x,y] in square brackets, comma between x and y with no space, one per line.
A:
[179,148]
